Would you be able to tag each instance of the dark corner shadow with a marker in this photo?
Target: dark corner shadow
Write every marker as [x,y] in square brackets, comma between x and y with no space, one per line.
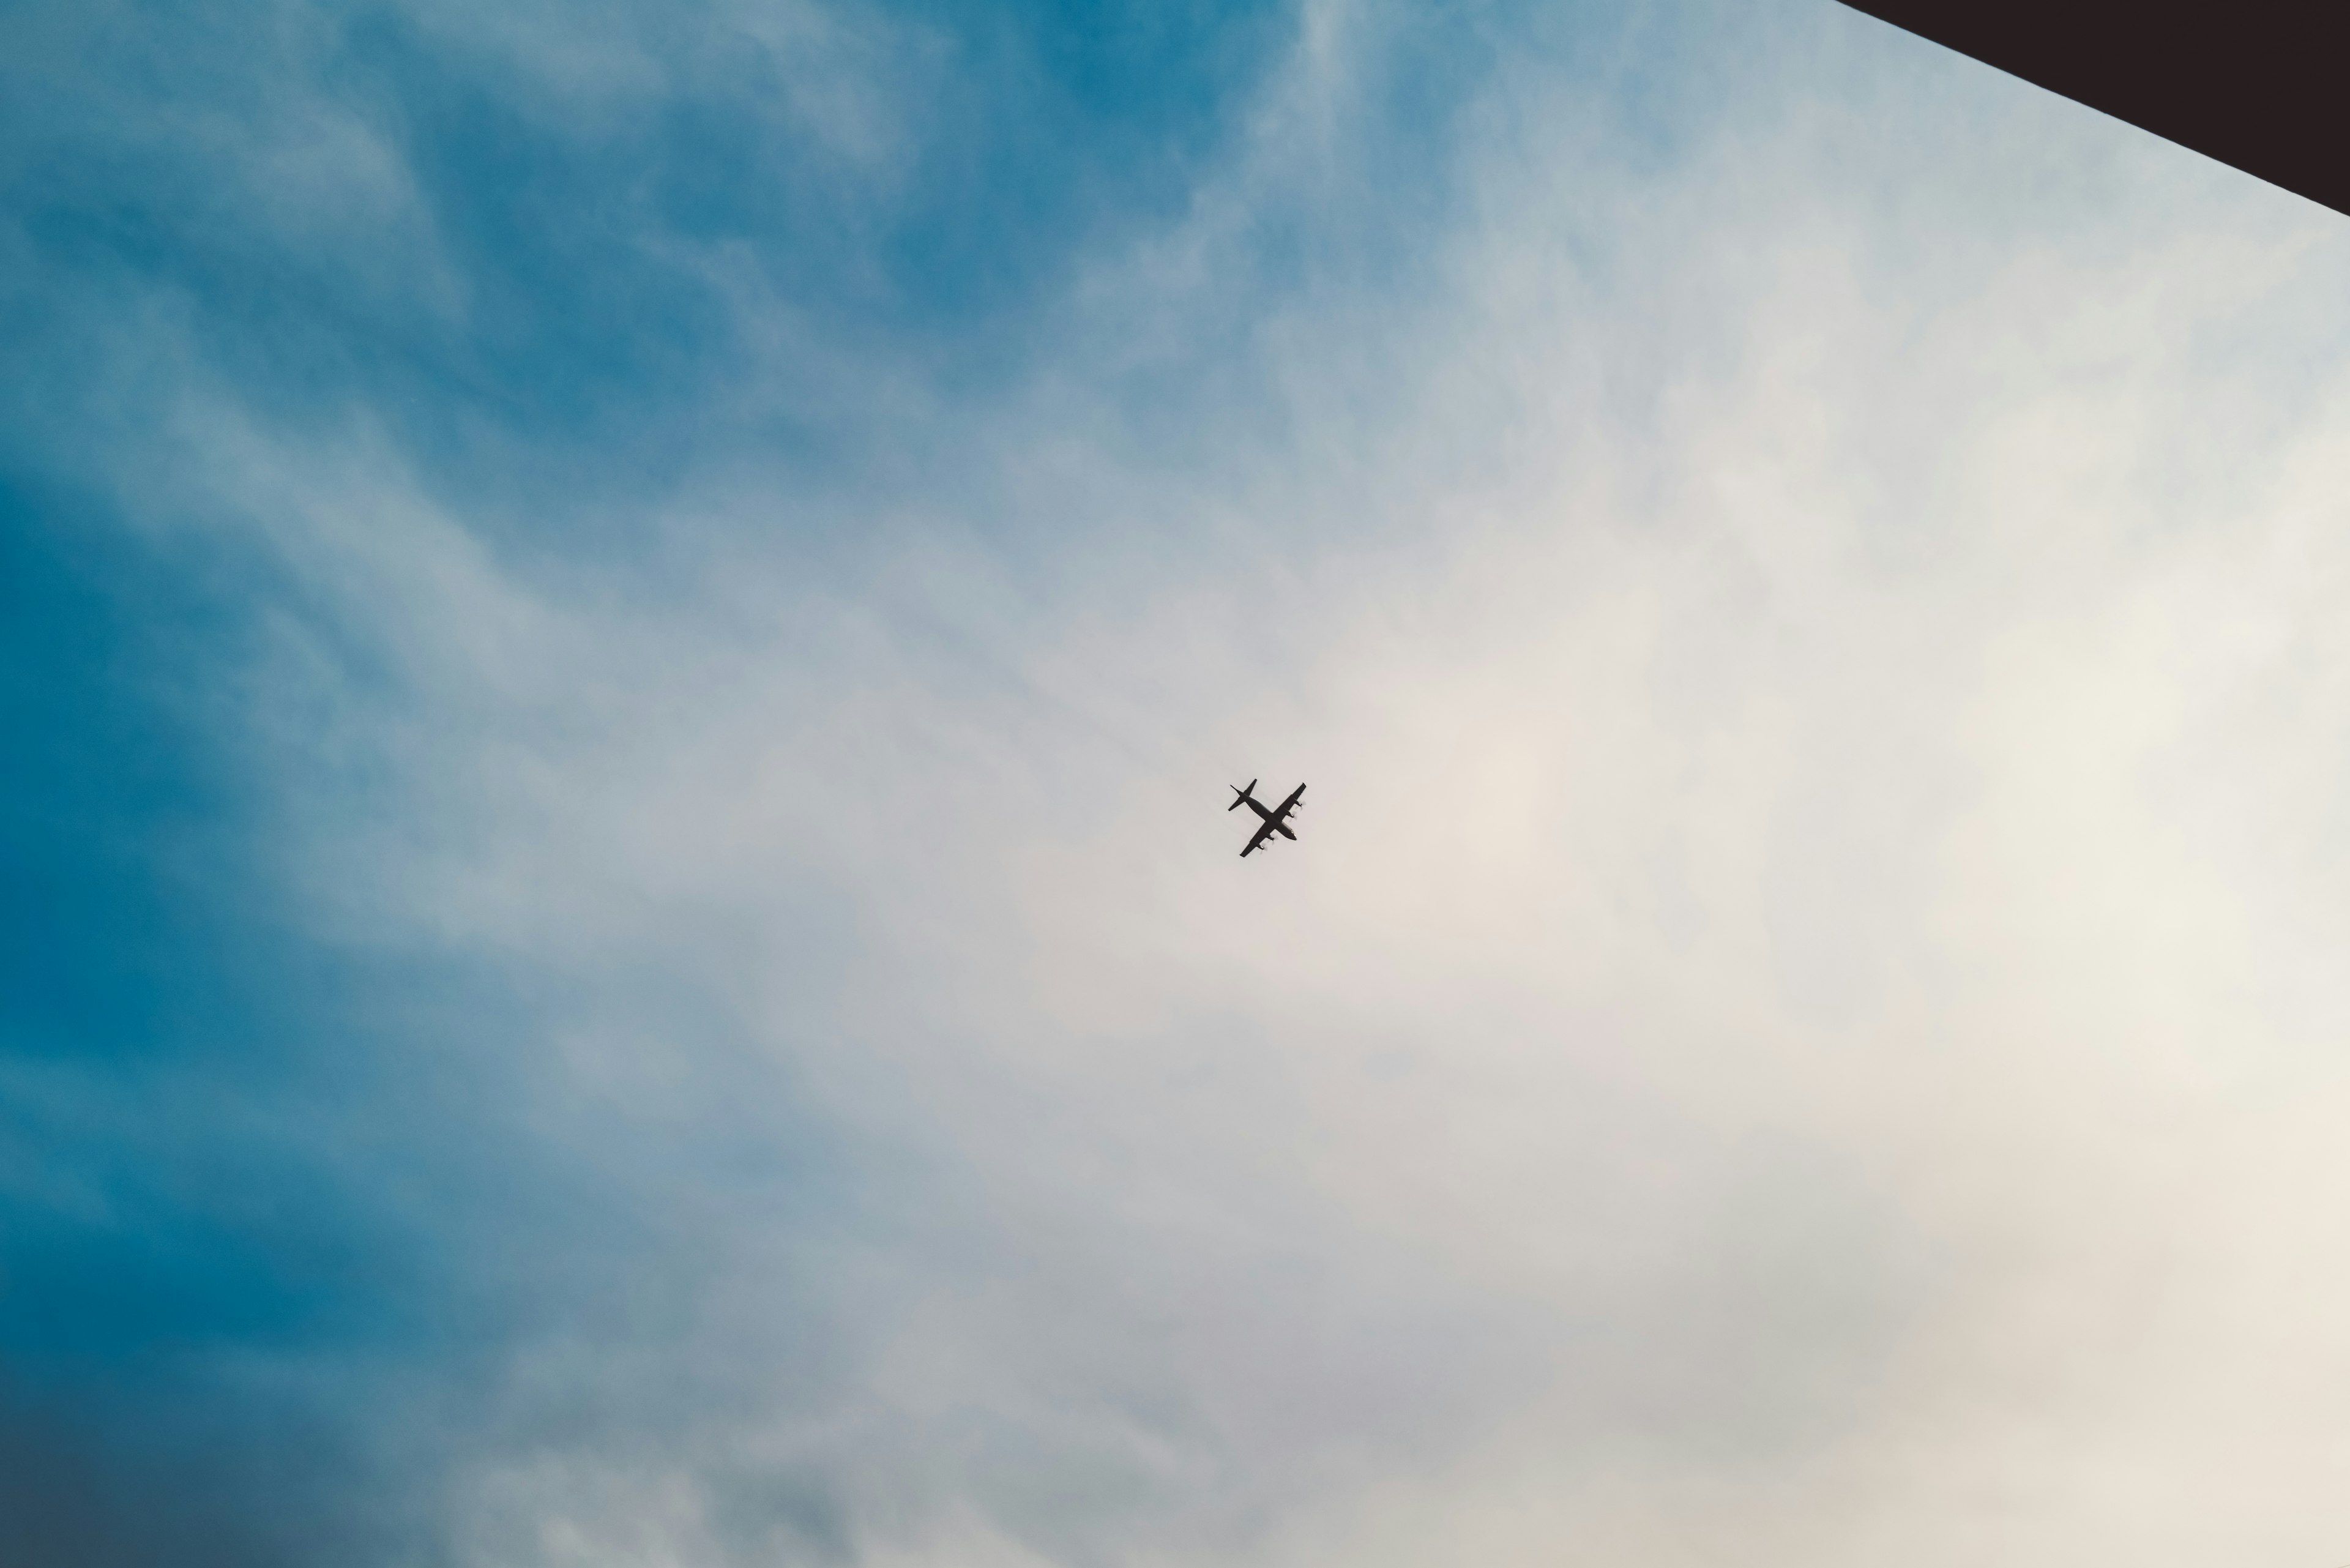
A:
[2255,84]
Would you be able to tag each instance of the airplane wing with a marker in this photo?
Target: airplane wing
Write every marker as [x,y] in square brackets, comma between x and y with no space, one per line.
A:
[1262,833]
[1280,817]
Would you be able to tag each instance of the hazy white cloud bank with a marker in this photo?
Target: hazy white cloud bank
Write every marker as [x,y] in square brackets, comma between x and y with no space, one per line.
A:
[1803,1025]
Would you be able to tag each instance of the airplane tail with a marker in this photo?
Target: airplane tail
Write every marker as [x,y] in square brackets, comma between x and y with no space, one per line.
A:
[1240,797]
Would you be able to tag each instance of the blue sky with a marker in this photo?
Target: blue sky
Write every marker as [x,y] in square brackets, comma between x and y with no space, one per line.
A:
[626,627]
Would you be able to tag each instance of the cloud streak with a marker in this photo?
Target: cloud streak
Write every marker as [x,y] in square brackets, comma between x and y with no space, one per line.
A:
[1799,572]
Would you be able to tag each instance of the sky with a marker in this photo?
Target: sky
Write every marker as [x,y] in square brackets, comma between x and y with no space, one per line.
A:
[627,626]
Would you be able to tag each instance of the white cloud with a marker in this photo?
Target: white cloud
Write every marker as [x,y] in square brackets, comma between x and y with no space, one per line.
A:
[1800,1023]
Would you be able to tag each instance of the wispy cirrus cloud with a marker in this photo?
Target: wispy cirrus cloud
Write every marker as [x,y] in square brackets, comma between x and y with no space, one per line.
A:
[694,1008]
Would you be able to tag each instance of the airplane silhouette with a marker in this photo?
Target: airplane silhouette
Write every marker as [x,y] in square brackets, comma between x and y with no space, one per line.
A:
[1275,819]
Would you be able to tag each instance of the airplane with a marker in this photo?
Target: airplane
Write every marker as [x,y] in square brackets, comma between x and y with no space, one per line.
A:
[1276,820]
